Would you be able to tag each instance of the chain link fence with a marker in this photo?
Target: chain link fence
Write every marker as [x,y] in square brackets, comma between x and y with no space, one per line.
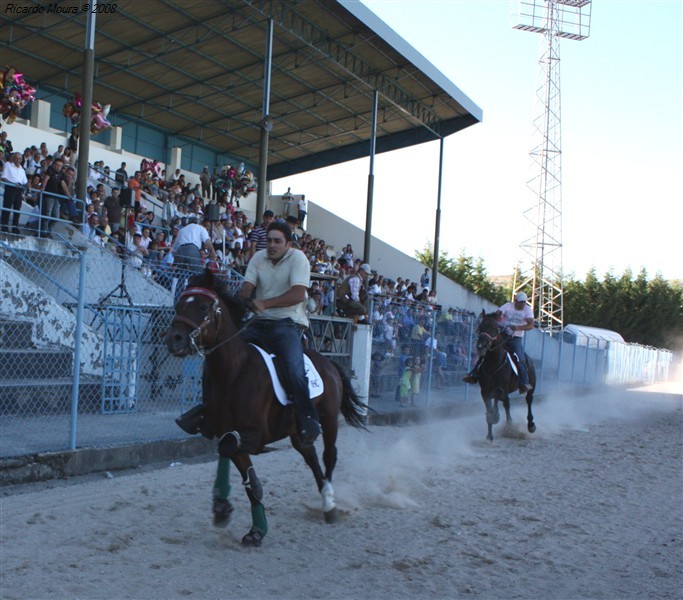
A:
[438,346]
[83,361]
[435,345]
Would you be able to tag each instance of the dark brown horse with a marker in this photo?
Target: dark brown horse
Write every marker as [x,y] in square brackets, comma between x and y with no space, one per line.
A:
[496,376]
[240,408]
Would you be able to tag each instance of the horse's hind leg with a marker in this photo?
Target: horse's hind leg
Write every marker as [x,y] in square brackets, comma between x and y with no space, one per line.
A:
[531,426]
[252,486]
[324,483]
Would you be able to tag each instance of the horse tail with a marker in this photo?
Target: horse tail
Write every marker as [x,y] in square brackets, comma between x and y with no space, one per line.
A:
[353,408]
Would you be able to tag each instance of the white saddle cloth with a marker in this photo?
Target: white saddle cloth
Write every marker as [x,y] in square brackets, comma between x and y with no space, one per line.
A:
[513,364]
[315,382]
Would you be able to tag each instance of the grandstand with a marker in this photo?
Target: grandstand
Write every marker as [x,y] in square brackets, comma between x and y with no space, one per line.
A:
[82,324]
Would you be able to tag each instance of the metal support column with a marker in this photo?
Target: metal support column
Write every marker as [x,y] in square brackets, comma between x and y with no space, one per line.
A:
[76,382]
[371,181]
[437,227]
[266,127]
[86,109]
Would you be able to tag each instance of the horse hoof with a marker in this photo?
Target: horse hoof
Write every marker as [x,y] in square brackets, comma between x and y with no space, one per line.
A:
[253,539]
[331,516]
[222,511]
[531,427]
[489,437]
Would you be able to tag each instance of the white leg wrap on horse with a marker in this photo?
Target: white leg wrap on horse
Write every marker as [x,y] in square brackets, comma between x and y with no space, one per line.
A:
[328,497]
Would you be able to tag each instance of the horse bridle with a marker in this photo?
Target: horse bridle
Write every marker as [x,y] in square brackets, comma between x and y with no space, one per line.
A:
[491,348]
[493,338]
[196,330]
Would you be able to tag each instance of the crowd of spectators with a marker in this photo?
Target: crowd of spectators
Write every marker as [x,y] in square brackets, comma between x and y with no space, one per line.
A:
[118,214]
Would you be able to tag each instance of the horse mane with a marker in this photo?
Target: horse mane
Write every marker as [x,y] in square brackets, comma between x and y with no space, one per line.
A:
[489,317]
[237,307]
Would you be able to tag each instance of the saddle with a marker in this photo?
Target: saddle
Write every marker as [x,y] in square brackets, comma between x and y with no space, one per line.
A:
[278,375]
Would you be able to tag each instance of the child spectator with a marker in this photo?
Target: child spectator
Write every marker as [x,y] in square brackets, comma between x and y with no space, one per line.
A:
[404,384]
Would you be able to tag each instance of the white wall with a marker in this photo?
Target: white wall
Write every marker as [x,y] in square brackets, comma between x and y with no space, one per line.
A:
[22,136]
[386,259]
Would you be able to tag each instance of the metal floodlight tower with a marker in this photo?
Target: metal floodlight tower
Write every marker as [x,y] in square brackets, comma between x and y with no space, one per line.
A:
[554,19]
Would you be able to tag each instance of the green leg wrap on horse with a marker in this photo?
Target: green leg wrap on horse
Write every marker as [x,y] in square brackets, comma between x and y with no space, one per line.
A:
[258,518]
[221,487]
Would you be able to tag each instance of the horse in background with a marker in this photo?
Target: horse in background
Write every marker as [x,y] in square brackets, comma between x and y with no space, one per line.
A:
[240,407]
[497,379]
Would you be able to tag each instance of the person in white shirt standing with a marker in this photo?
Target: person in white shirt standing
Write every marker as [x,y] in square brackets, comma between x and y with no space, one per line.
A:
[188,245]
[302,206]
[14,174]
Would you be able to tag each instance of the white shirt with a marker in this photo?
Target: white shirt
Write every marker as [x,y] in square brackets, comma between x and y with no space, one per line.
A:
[514,317]
[14,174]
[272,280]
[191,234]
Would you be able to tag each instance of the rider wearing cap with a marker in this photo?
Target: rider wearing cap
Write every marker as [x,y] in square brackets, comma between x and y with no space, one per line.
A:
[516,318]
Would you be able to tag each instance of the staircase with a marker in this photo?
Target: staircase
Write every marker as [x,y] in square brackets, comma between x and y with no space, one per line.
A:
[38,381]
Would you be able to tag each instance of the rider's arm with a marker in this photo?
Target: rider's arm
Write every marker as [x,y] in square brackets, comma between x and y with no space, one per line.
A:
[247,290]
[528,325]
[294,295]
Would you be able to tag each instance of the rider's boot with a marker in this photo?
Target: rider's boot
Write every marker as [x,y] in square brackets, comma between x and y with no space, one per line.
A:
[307,423]
[472,376]
[193,422]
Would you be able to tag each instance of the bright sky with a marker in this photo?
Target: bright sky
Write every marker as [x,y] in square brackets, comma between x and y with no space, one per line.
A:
[622,133]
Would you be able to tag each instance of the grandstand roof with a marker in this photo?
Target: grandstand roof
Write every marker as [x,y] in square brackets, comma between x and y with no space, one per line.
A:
[195,69]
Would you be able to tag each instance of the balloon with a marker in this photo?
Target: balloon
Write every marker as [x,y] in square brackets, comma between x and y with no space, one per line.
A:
[98,120]
[15,94]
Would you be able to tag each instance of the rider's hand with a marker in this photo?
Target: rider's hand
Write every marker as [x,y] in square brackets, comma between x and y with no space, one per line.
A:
[508,330]
[257,306]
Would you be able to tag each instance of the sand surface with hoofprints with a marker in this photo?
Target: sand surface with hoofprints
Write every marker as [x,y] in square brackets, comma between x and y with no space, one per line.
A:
[590,506]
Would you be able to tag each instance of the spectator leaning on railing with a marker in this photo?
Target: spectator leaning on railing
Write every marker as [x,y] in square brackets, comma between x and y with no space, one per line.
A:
[13,173]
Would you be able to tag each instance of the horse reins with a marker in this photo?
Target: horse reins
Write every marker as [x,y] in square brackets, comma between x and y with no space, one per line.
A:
[196,330]
[492,348]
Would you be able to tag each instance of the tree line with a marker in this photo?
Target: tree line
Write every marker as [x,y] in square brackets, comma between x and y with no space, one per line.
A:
[643,310]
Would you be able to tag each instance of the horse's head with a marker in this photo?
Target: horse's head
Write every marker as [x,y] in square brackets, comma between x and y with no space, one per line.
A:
[489,332]
[200,319]
[196,322]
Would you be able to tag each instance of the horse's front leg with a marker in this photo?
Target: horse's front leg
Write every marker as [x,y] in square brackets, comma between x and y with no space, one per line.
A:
[506,405]
[222,509]
[492,416]
[254,490]
[233,446]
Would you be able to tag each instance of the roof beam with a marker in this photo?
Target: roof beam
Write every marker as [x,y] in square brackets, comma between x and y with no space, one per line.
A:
[288,19]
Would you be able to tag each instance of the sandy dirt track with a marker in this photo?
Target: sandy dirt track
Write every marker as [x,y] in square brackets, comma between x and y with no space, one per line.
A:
[590,506]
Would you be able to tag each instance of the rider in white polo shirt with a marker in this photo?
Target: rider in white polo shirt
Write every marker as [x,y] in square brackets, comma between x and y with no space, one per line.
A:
[276,282]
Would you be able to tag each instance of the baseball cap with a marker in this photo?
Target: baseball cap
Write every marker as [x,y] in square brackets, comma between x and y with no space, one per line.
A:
[520,297]
[366,267]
